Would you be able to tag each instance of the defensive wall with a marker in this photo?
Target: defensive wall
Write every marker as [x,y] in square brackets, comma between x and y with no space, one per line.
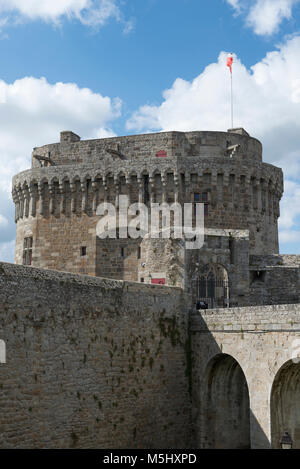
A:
[96,363]
[92,363]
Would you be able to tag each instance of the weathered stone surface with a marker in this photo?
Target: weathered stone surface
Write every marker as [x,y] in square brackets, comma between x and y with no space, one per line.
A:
[56,205]
[97,362]
[91,363]
[262,341]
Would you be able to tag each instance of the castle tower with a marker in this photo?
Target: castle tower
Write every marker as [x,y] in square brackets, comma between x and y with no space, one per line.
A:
[56,200]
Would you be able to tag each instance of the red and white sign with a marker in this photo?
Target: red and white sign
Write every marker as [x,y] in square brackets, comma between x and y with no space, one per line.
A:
[161,154]
[158,281]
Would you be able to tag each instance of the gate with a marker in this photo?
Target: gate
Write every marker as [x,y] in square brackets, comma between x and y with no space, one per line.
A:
[210,284]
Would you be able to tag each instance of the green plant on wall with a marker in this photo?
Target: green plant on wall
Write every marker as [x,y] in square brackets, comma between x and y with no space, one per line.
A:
[169,328]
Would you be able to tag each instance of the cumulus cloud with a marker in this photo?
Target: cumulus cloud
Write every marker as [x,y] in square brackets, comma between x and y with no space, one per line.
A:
[266,103]
[7,251]
[290,213]
[89,12]
[32,113]
[236,4]
[264,16]
[3,221]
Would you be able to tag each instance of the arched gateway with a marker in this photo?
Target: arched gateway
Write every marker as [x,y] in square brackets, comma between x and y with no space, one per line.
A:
[225,415]
[285,404]
[210,284]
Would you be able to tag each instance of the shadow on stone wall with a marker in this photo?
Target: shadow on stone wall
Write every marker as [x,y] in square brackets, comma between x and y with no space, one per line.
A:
[222,415]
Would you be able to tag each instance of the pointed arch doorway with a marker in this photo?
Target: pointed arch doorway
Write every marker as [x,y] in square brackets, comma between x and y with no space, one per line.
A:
[211,284]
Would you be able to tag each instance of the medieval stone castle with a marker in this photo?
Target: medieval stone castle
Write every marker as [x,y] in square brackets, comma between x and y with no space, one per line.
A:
[105,345]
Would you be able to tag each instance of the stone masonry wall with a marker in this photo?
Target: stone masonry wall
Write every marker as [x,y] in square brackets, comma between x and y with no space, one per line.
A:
[275,285]
[92,363]
[261,339]
[274,279]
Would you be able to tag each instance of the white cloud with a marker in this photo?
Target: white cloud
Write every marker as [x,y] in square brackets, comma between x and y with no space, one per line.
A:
[264,16]
[89,12]
[32,113]
[3,221]
[290,207]
[289,237]
[266,102]
[236,4]
[45,9]
[7,251]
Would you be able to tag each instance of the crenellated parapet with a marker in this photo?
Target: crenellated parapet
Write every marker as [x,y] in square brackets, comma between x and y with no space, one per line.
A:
[80,188]
[234,145]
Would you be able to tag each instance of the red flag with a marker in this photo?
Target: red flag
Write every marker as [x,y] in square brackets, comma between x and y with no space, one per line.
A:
[230,62]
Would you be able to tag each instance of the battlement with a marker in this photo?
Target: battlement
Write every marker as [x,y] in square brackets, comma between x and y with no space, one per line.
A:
[163,145]
[69,137]
[285,317]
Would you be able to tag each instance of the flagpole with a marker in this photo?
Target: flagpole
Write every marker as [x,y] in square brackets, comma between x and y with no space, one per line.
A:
[231,101]
[229,65]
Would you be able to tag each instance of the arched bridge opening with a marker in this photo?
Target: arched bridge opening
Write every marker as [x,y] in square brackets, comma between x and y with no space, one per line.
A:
[226,409]
[285,404]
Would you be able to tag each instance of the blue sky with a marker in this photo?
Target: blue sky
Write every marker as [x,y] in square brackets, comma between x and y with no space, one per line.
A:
[110,67]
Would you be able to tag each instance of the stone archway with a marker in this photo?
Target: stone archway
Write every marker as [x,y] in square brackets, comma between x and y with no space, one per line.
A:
[210,284]
[225,414]
[285,404]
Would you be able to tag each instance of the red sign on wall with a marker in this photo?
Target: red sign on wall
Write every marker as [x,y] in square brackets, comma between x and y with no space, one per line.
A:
[161,154]
[158,281]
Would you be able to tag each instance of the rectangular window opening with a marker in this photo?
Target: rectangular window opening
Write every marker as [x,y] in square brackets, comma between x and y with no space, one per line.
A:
[258,276]
[27,250]
[204,197]
[231,248]
[146,189]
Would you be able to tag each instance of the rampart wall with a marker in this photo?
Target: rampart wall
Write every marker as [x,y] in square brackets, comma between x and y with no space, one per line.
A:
[92,363]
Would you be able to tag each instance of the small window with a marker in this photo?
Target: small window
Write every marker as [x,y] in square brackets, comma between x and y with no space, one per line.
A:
[122,252]
[205,210]
[197,200]
[258,276]
[231,248]
[146,189]
[139,252]
[27,251]
[83,251]
[204,197]
[142,280]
